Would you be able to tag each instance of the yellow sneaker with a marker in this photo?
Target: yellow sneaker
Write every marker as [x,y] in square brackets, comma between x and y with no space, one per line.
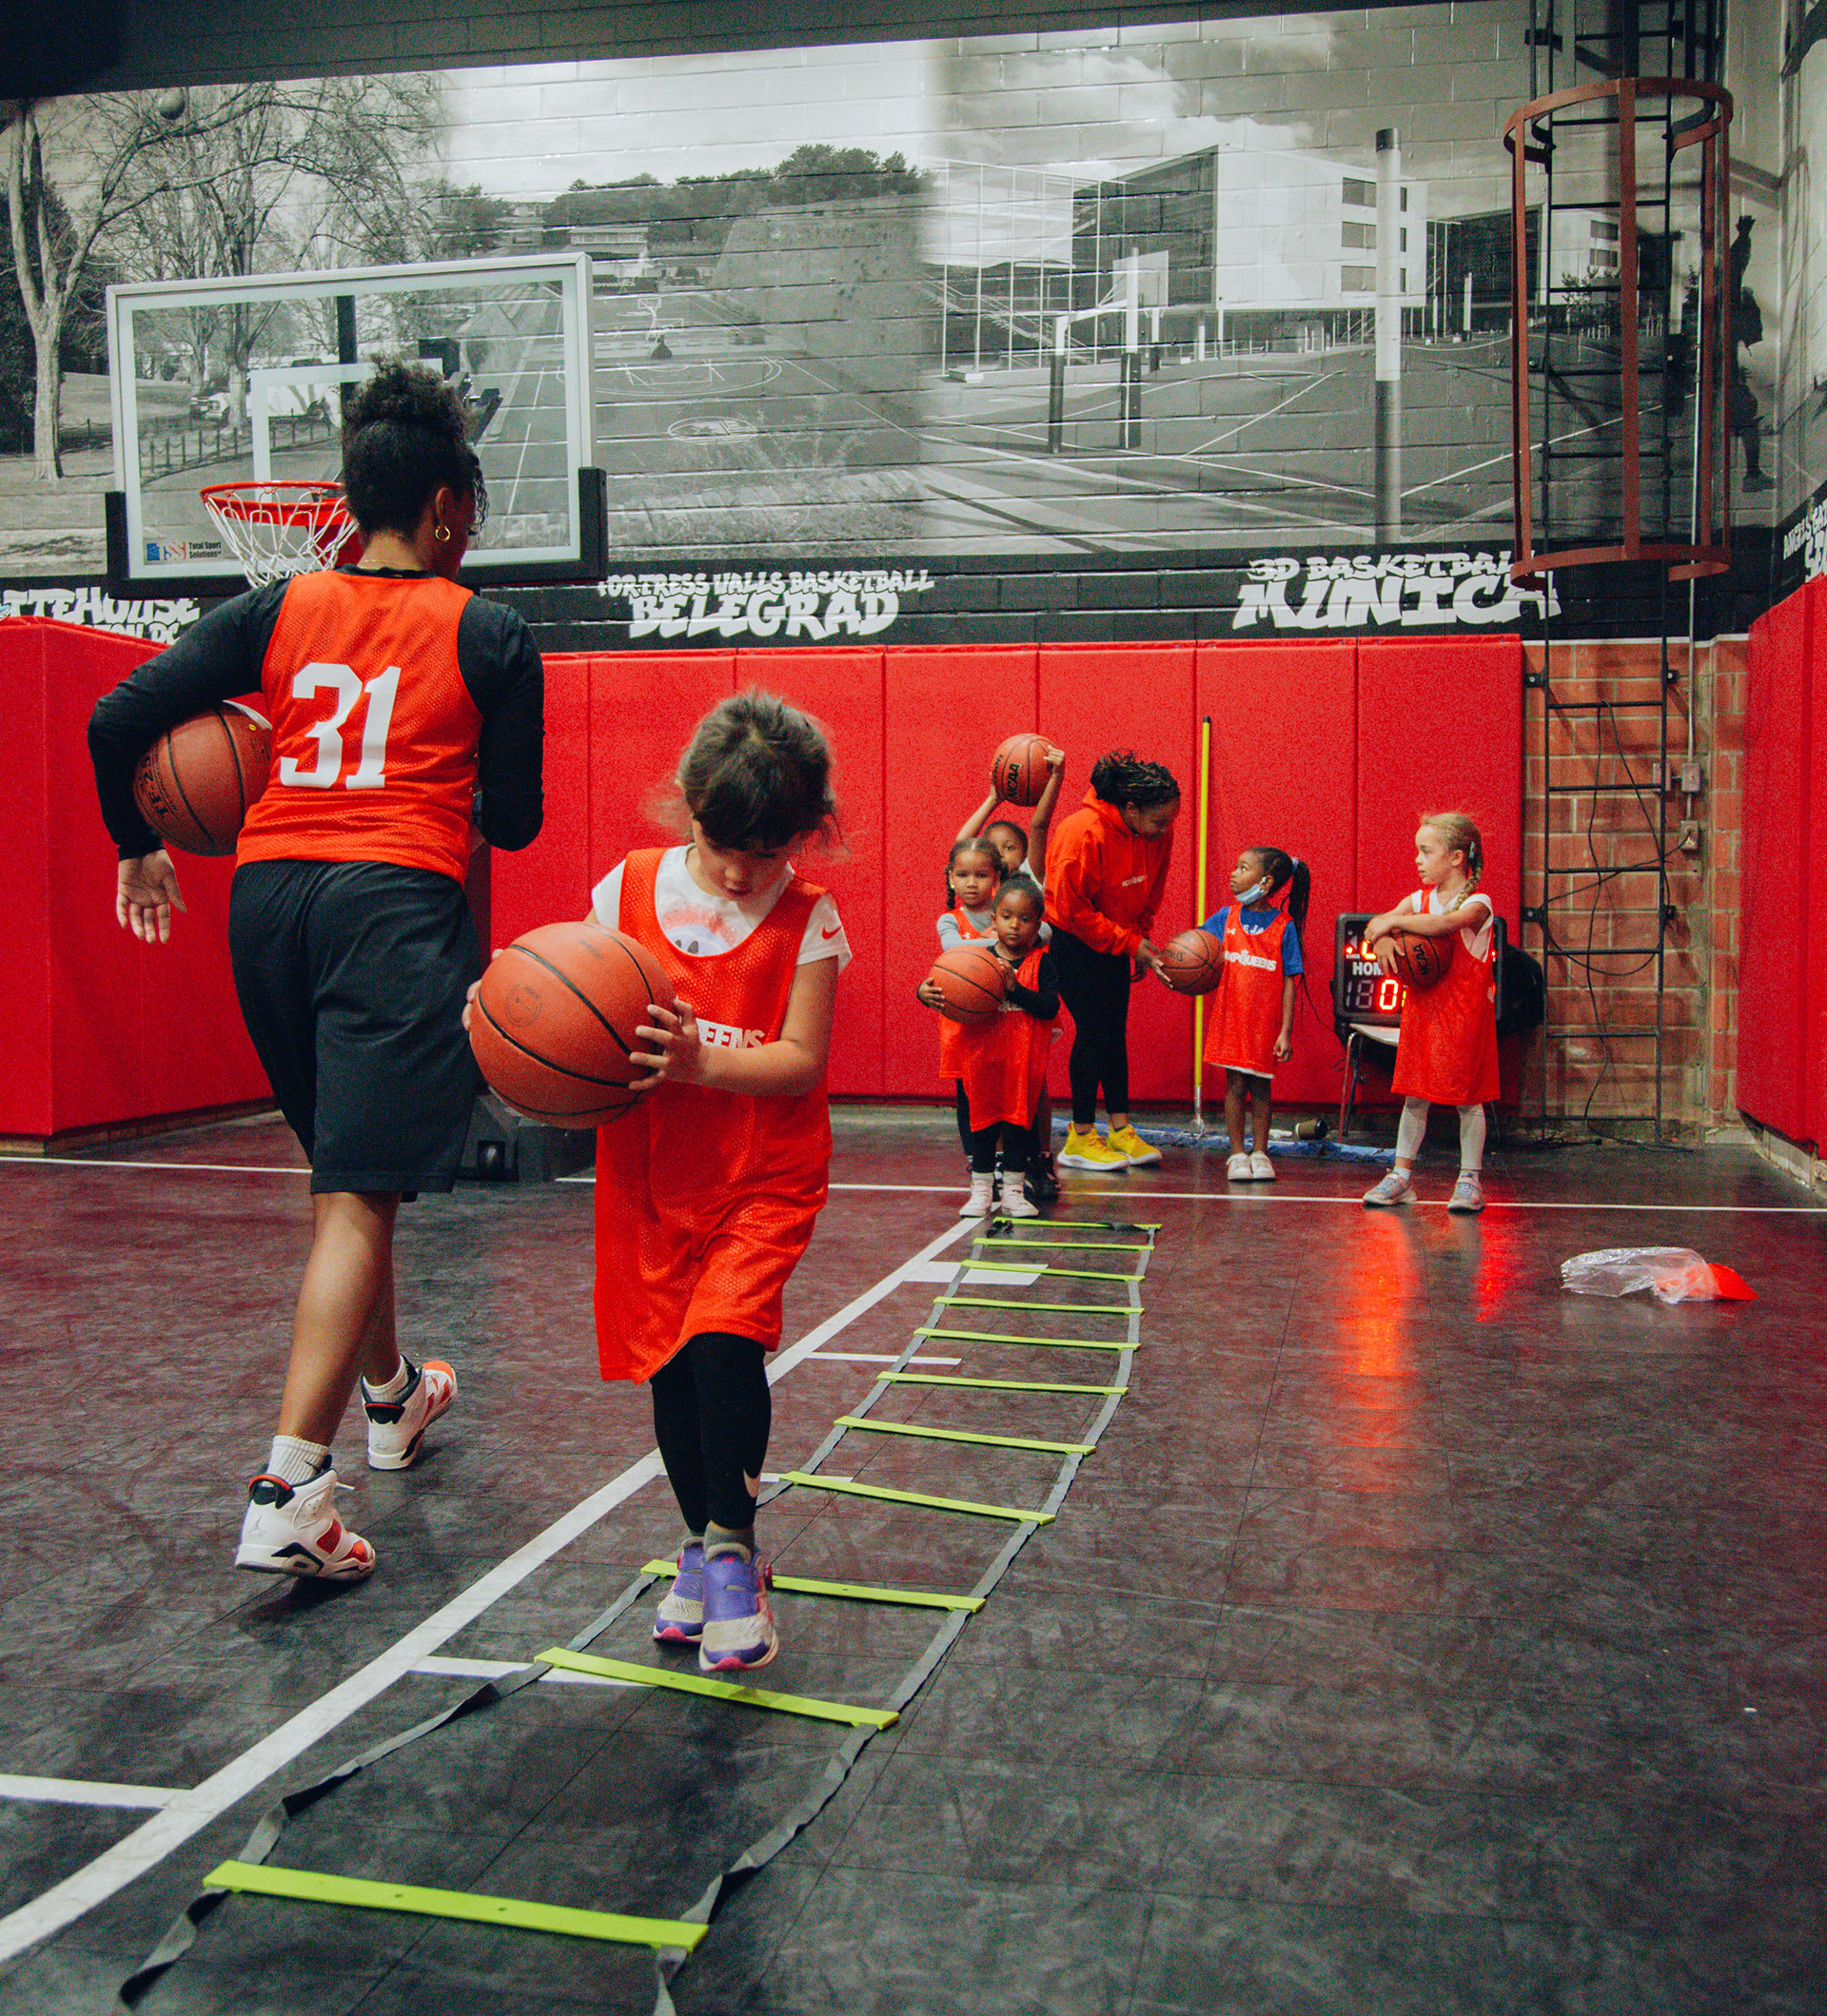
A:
[1085,1149]
[1133,1148]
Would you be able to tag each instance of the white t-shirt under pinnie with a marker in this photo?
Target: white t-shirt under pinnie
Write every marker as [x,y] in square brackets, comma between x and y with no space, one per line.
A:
[703,924]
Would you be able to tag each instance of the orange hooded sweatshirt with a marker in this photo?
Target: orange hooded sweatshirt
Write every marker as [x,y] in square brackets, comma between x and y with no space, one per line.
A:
[1104,882]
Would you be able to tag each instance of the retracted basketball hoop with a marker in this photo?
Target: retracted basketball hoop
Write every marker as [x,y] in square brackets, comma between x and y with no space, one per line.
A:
[279,529]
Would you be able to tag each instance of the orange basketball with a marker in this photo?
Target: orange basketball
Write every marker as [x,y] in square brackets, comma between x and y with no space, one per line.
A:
[1422,963]
[1018,769]
[194,786]
[970,977]
[555,1020]
[1194,962]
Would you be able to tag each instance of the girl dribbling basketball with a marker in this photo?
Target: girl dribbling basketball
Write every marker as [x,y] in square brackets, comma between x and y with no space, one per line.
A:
[1448,1044]
[707,1191]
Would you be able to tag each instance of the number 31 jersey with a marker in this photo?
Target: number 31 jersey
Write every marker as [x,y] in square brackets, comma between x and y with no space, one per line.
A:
[374,731]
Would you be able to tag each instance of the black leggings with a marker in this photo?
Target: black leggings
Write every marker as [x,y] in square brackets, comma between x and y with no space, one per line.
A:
[712,1412]
[1095,986]
[980,1143]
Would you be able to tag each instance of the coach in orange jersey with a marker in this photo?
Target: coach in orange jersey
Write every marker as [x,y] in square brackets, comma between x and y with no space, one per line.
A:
[1106,865]
[403,708]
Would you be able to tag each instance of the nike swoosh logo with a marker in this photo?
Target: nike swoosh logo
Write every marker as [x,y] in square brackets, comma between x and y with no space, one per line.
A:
[832,932]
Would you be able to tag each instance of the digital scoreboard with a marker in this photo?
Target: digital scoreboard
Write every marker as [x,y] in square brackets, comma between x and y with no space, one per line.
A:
[1363,992]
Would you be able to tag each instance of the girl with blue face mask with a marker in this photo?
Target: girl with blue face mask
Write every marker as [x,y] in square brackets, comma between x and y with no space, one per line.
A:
[1253,1017]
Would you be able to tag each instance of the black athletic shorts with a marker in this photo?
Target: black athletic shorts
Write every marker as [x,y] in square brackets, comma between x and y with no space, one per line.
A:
[351,976]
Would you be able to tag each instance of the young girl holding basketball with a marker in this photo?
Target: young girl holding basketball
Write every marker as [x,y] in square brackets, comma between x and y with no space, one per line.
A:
[975,870]
[973,873]
[1447,1049]
[1021,851]
[1252,1015]
[708,1190]
[1002,1062]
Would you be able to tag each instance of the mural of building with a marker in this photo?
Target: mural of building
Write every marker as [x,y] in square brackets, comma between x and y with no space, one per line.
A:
[1270,240]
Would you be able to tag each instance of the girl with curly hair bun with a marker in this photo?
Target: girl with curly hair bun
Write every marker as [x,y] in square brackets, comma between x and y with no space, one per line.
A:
[401,705]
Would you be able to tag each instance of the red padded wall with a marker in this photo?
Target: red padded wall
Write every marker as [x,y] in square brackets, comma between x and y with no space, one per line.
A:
[1095,698]
[111,1029]
[551,879]
[99,974]
[1439,729]
[25,1029]
[1778,718]
[1815,920]
[947,708]
[842,687]
[1283,774]
[643,706]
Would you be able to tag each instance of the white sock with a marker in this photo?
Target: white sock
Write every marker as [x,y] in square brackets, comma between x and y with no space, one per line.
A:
[1411,1131]
[295,1461]
[394,1388]
[1471,1140]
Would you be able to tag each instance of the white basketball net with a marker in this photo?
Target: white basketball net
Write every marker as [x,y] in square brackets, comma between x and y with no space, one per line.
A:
[279,529]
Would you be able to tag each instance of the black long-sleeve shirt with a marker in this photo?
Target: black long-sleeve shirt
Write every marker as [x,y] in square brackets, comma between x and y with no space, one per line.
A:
[1042,1002]
[220,658]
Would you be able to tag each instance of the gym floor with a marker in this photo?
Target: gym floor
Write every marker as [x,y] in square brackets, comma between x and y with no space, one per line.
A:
[1416,1637]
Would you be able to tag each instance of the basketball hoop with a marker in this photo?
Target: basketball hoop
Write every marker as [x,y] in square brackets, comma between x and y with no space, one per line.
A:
[279,529]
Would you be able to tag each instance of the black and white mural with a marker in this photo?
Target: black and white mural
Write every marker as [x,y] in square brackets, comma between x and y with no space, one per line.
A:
[893,317]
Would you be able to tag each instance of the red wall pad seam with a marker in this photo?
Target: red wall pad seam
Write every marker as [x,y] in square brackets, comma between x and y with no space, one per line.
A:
[1777,1043]
[1412,693]
[1283,774]
[842,688]
[946,708]
[1815,907]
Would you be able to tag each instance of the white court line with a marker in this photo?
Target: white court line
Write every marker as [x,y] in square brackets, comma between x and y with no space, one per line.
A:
[189,1812]
[84,1792]
[189,1169]
[1494,1203]
[1283,1197]
[436,1669]
[951,1190]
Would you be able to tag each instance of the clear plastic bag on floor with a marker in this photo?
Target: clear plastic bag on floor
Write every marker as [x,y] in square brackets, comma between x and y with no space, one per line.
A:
[1672,1274]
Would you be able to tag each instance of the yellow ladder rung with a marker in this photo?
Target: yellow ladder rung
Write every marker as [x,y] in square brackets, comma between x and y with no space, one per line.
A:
[866,1424]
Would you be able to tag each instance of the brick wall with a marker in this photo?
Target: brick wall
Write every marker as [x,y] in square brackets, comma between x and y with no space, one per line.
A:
[1598,840]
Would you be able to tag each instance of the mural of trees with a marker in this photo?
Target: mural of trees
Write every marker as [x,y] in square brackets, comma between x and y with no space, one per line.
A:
[214,183]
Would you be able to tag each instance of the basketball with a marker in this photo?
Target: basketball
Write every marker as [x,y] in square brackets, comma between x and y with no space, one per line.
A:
[1018,769]
[1421,963]
[194,786]
[555,1020]
[970,977]
[1194,962]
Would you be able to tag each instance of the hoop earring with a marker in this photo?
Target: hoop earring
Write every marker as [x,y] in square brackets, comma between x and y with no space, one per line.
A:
[441,534]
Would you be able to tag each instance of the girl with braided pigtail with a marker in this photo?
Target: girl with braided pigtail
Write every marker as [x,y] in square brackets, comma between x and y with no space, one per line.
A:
[1449,1046]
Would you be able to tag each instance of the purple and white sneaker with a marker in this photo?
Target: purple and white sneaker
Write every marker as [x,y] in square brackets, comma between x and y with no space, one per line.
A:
[738,1620]
[679,1617]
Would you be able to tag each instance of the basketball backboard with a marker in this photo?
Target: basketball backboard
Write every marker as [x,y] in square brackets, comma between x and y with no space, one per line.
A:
[221,380]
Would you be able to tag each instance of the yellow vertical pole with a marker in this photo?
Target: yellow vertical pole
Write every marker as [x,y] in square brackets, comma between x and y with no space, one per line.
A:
[1203,913]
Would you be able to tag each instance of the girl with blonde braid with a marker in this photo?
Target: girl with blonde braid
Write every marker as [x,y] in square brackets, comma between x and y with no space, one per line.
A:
[1447,1050]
